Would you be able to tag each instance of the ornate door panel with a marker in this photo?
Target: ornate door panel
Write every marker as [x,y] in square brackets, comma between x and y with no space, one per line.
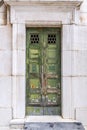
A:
[43,71]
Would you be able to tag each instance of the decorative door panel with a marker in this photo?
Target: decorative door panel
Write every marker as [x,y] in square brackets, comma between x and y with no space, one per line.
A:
[43,71]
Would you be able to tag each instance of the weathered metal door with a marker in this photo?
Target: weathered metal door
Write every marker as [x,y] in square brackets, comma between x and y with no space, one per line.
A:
[43,71]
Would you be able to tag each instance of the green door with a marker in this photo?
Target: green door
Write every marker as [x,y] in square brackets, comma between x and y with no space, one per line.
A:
[43,71]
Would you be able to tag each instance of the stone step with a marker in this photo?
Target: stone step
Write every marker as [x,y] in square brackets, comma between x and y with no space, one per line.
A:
[54,126]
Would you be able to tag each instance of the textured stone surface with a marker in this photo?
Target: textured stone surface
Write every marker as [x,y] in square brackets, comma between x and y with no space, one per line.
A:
[74,60]
[80,83]
[53,126]
[5,37]
[5,63]
[81,115]
[5,116]
[2,15]
[5,94]
[18,96]
[4,128]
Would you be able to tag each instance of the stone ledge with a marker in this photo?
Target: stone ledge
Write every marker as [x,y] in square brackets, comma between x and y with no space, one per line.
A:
[19,123]
[54,126]
[69,3]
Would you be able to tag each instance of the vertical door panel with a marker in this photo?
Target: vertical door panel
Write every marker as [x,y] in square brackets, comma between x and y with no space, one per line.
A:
[43,92]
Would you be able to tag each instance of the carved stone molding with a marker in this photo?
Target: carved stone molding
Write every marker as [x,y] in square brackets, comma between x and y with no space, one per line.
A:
[73,3]
[3,13]
[1,2]
[58,11]
[41,13]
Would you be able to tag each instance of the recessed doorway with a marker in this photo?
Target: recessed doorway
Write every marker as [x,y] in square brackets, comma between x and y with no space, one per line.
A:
[43,71]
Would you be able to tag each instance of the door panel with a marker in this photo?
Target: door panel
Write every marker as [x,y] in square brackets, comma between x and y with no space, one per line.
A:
[43,72]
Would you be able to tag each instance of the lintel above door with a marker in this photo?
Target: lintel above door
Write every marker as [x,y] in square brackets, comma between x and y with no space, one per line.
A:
[72,3]
[50,12]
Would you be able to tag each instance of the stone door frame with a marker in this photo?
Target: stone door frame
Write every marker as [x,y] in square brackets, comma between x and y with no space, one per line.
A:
[27,16]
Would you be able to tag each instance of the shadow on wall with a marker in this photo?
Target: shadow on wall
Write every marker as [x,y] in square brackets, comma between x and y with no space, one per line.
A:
[3,13]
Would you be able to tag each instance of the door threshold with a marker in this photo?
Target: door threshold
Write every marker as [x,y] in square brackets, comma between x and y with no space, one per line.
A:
[19,123]
[47,119]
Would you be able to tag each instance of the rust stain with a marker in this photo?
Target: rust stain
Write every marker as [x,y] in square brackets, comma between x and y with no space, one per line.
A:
[32,86]
[83,18]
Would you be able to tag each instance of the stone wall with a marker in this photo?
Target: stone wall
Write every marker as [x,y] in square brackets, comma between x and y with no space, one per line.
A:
[5,76]
[79,81]
[79,70]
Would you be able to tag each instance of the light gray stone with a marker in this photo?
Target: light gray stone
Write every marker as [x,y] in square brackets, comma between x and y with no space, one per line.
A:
[16,129]
[21,45]
[54,126]
[66,63]
[18,103]
[4,128]
[84,6]
[5,91]
[79,85]
[81,115]
[83,18]
[5,63]
[74,57]
[19,32]
[80,42]
[79,61]
[5,37]
[66,97]
[5,116]
[83,14]
[18,63]
[67,37]
[22,14]
[3,15]
[21,63]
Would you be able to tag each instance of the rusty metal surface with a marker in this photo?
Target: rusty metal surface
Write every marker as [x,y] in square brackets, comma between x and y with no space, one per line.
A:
[43,71]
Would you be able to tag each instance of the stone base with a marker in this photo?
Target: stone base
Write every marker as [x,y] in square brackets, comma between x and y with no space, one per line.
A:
[54,126]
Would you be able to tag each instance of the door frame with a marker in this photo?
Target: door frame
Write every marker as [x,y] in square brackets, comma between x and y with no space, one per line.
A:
[19,25]
[19,69]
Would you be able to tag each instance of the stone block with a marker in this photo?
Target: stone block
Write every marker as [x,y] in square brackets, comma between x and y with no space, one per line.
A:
[67,37]
[14,62]
[83,18]
[21,37]
[19,41]
[80,42]
[79,61]
[66,63]
[79,85]
[5,37]
[21,63]
[18,63]
[66,97]
[84,6]
[5,91]
[81,115]
[54,126]
[16,129]
[5,116]
[5,63]
[50,13]
[4,128]
[18,83]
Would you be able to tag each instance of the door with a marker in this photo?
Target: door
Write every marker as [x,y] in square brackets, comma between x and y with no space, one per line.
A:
[43,71]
